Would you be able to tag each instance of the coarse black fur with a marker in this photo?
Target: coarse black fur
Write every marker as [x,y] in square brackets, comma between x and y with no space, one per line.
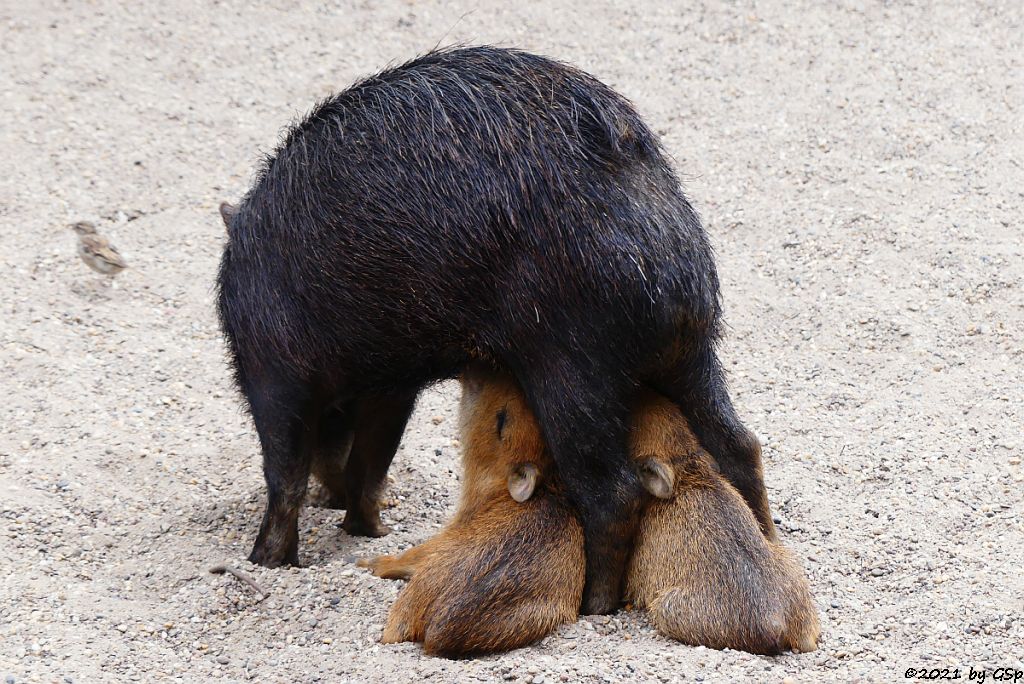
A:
[477,203]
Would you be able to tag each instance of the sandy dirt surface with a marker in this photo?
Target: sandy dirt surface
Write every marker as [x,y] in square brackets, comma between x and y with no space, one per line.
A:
[860,169]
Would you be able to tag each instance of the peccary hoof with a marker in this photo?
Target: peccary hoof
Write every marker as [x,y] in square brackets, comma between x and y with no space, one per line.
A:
[271,558]
[363,527]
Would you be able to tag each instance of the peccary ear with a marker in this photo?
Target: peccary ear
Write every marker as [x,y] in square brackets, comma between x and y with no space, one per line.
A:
[522,481]
[501,418]
[657,477]
[227,213]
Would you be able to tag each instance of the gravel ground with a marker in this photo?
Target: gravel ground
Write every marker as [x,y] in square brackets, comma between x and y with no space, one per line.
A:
[858,165]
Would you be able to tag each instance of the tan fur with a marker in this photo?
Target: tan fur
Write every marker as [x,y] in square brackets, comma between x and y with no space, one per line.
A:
[501,574]
[400,567]
[701,563]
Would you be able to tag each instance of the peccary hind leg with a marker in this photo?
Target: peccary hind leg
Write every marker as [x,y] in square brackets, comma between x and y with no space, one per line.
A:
[698,387]
[584,419]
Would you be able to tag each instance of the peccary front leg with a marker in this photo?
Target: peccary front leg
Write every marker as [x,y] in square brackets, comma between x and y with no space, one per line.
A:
[330,457]
[379,423]
[283,412]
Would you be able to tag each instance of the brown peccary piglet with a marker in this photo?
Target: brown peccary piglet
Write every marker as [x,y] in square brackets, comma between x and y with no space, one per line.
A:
[509,567]
[701,564]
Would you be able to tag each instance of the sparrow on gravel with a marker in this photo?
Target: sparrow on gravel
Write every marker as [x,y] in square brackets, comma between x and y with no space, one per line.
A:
[96,251]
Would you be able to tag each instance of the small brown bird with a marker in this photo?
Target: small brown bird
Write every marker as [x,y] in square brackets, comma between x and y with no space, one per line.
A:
[96,251]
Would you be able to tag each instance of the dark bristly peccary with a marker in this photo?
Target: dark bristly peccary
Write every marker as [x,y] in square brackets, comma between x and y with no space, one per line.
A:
[474,203]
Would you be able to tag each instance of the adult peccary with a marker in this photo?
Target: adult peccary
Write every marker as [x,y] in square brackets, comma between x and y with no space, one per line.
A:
[475,203]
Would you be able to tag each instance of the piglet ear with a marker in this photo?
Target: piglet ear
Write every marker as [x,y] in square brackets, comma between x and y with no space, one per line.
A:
[522,481]
[657,477]
[227,213]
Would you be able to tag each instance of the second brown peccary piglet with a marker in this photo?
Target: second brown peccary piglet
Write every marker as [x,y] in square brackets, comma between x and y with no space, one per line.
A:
[474,203]
[700,563]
